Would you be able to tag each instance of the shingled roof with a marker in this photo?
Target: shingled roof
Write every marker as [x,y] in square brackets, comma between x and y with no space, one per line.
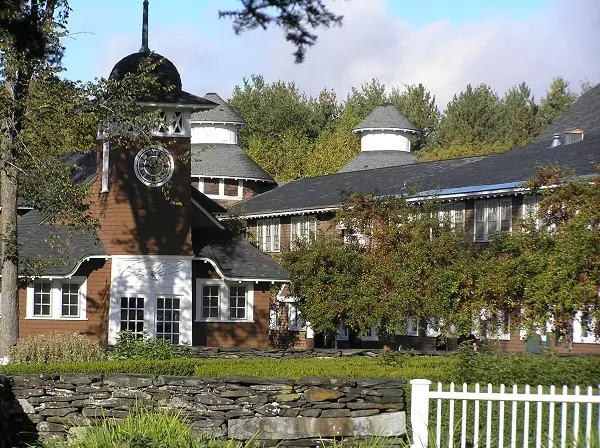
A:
[63,247]
[237,259]
[584,114]
[368,160]
[517,165]
[222,113]
[386,116]
[225,160]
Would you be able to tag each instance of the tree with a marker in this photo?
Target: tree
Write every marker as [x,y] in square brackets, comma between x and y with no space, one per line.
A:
[418,105]
[295,17]
[399,273]
[520,121]
[557,100]
[550,273]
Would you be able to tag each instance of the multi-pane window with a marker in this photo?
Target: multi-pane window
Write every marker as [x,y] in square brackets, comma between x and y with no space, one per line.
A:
[304,228]
[167,318]
[70,299]
[498,327]
[492,215]
[42,298]
[267,234]
[210,301]
[531,208]
[453,213]
[237,302]
[132,315]
[221,188]
[295,320]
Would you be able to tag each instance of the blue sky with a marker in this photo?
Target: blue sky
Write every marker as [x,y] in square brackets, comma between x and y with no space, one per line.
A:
[442,43]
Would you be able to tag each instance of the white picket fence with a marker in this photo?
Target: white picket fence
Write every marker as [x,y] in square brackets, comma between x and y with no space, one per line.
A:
[542,419]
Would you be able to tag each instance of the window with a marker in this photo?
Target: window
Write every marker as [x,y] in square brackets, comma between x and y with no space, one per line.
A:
[492,215]
[221,188]
[412,326]
[237,302]
[57,299]
[167,318]
[132,315]
[370,335]
[498,327]
[343,333]
[221,301]
[170,123]
[531,208]
[453,213]
[210,302]
[70,299]
[295,320]
[274,316]
[42,298]
[304,228]
[267,234]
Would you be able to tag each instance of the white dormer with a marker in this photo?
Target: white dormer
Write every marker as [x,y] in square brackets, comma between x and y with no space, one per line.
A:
[219,125]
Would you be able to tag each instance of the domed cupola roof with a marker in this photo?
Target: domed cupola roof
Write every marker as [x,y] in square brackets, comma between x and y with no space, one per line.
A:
[386,117]
[164,70]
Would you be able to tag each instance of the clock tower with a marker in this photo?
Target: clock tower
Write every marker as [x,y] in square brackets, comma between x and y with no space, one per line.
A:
[142,198]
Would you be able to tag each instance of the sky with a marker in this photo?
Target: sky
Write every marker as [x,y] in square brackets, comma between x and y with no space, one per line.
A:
[444,44]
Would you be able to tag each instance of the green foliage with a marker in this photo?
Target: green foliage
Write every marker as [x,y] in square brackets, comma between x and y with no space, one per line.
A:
[551,273]
[557,100]
[129,346]
[56,348]
[486,367]
[401,272]
[520,119]
[142,428]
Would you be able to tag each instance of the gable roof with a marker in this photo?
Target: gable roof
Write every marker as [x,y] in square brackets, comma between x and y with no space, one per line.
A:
[227,161]
[480,173]
[386,116]
[237,259]
[584,113]
[222,113]
[64,245]
[368,160]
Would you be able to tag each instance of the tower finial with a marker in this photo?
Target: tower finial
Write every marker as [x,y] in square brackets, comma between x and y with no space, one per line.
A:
[144,48]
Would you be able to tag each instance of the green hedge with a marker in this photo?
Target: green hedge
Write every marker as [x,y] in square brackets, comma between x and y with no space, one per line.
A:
[483,368]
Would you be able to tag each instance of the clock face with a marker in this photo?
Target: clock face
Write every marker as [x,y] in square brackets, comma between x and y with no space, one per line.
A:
[154,166]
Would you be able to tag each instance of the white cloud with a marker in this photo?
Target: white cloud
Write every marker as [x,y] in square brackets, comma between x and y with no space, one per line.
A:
[499,50]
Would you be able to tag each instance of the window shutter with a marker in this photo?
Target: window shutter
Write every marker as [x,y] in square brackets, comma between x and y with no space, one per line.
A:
[275,235]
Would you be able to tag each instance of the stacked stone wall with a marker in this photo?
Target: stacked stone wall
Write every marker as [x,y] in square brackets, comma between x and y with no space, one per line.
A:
[279,411]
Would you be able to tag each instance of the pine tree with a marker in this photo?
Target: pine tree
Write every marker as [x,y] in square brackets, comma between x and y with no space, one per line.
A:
[520,120]
[557,100]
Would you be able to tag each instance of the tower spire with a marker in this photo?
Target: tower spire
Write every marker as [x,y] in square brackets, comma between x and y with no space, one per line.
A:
[144,48]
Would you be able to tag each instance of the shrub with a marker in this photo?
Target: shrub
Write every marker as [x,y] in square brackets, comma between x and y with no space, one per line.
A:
[129,346]
[56,348]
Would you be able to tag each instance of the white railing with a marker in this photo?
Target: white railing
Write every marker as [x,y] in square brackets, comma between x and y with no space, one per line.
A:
[530,420]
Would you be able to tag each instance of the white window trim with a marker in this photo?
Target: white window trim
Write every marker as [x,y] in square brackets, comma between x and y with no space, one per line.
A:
[222,195]
[579,329]
[56,299]
[455,210]
[303,231]
[224,301]
[295,315]
[105,166]
[274,233]
[372,336]
[484,202]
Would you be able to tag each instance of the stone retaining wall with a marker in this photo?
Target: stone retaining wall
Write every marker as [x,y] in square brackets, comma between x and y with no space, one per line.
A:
[293,412]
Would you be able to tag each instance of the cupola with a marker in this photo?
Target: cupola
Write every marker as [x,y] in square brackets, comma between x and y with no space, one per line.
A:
[385,136]
[385,129]
[217,125]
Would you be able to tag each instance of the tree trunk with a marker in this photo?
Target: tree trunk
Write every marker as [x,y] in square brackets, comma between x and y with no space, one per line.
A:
[9,331]
[9,309]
